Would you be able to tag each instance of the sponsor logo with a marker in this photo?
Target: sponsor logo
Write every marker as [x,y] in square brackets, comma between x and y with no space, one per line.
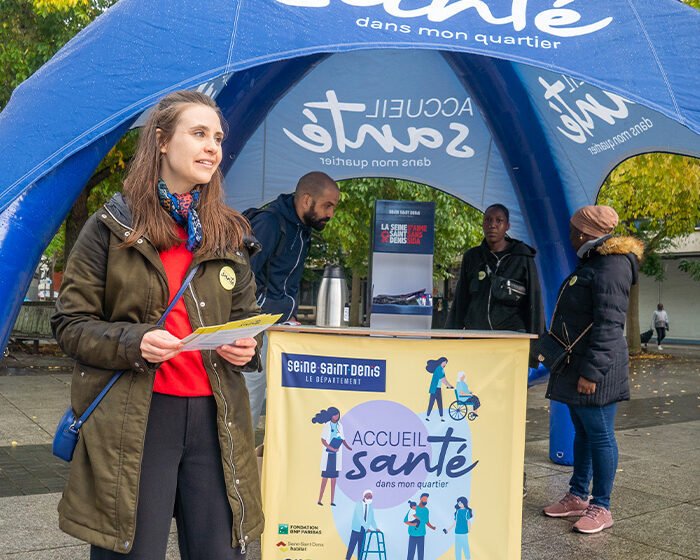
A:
[283,529]
[557,21]
[282,546]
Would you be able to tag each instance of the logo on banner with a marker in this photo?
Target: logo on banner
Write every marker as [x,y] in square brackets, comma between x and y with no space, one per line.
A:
[330,372]
[579,111]
[557,21]
[403,234]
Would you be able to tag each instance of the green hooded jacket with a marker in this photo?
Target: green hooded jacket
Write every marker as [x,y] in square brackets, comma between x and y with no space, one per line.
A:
[110,297]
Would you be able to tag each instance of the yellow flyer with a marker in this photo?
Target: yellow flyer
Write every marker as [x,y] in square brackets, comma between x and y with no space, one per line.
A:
[393,448]
[208,338]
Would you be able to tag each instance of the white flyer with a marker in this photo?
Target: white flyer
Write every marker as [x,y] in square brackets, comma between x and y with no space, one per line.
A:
[209,338]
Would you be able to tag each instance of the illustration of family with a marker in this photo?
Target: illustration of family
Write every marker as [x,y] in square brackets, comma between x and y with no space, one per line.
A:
[418,519]
[465,398]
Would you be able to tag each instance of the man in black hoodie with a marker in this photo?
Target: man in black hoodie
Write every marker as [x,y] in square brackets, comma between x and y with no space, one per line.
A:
[498,286]
[284,230]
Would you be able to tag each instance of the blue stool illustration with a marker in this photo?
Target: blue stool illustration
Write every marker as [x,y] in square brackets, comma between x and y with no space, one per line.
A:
[380,549]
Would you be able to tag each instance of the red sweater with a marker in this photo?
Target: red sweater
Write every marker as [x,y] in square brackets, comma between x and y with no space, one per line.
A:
[184,375]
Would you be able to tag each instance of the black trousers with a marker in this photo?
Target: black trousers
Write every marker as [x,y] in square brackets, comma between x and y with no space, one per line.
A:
[660,334]
[181,474]
[435,397]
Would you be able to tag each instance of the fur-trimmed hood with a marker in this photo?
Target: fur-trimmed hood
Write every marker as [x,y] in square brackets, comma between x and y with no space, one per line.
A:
[622,245]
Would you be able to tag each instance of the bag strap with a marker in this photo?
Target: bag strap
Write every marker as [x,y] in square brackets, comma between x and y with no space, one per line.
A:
[570,346]
[554,313]
[76,425]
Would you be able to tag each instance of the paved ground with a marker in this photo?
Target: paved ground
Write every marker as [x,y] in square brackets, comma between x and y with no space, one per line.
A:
[656,500]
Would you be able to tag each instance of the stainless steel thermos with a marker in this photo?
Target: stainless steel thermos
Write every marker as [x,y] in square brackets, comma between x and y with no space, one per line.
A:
[332,298]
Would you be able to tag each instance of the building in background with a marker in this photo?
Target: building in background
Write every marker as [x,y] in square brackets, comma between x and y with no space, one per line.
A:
[679,293]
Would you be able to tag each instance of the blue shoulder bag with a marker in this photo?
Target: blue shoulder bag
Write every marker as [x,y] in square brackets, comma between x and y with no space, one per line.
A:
[68,430]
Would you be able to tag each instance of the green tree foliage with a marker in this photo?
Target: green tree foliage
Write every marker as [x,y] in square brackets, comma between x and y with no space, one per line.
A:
[658,199]
[690,267]
[345,240]
[31,32]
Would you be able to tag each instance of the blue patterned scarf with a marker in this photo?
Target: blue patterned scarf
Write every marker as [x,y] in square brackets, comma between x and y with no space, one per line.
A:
[183,209]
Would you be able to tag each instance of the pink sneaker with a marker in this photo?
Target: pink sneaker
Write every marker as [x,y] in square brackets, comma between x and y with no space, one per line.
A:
[568,506]
[594,520]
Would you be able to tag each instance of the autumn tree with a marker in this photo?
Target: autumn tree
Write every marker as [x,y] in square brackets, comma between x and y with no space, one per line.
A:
[657,197]
[346,238]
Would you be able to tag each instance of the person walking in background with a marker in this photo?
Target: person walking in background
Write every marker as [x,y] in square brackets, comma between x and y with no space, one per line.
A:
[283,228]
[173,436]
[362,521]
[332,437]
[659,320]
[590,315]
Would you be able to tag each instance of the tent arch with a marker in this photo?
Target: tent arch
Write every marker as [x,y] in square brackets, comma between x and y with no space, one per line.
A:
[265,50]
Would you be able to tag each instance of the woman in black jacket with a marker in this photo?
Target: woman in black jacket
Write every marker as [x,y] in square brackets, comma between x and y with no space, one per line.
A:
[479,303]
[590,312]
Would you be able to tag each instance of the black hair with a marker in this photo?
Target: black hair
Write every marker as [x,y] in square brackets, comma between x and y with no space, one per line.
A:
[325,415]
[412,504]
[424,495]
[465,502]
[432,365]
[501,208]
[315,184]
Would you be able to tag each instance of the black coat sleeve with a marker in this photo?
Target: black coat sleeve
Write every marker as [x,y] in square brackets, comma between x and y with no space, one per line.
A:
[536,319]
[458,311]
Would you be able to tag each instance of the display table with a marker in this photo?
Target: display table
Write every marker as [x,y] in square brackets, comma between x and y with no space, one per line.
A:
[379,384]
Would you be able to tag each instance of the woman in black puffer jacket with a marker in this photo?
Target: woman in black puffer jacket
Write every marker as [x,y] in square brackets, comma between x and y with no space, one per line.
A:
[592,305]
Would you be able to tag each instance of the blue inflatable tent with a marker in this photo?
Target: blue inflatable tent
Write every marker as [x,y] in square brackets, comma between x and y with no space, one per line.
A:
[527,103]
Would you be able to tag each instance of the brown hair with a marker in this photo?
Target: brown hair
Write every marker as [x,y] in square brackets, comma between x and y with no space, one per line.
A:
[223,228]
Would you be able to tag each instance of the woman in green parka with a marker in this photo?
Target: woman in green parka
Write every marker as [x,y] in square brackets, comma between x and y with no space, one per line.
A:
[174,434]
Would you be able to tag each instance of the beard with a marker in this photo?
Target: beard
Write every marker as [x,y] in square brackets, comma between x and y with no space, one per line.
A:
[312,219]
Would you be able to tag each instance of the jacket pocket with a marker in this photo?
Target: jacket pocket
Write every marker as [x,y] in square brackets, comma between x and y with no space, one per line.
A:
[474,283]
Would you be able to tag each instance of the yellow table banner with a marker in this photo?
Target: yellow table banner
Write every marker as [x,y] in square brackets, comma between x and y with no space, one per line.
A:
[413,447]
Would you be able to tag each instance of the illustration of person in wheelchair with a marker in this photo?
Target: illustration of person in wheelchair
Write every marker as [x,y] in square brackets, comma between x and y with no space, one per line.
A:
[459,409]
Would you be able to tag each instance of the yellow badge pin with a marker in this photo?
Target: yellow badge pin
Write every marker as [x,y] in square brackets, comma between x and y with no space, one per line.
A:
[482,275]
[573,280]
[227,277]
